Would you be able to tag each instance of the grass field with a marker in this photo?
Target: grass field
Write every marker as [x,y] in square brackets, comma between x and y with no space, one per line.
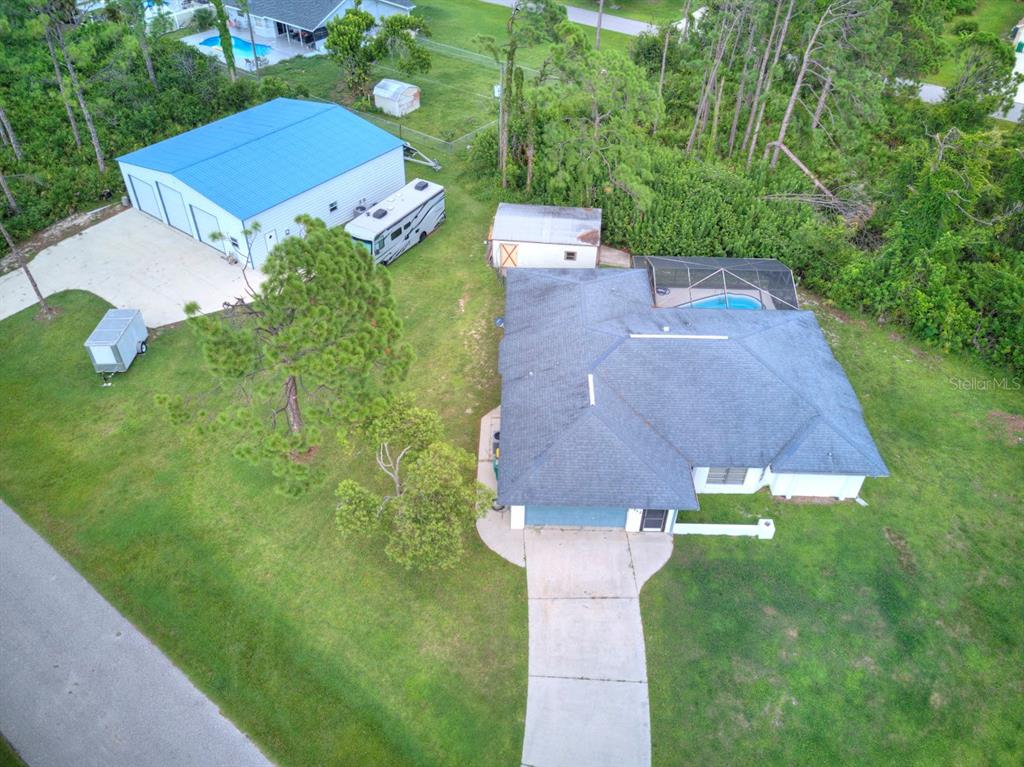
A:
[323,651]
[892,634]
[458,92]
[654,11]
[8,757]
[995,16]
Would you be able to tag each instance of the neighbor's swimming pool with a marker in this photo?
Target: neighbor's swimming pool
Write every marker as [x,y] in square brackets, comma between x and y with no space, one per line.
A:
[243,49]
[726,302]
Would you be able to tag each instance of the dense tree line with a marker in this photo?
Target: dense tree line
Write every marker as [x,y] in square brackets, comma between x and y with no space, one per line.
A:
[791,129]
[77,92]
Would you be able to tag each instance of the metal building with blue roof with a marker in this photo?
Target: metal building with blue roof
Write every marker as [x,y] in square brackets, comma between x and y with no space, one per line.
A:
[265,166]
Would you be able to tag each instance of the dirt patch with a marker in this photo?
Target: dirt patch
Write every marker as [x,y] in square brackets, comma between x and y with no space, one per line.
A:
[792,632]
[937,700]
[462,303]
[1011,423]
[306,455]
[866,663]
[54,233]
[770,611]
[898,542]
[807,500]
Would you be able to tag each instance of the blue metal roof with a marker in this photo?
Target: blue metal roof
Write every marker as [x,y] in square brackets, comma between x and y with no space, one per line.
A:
[256,159]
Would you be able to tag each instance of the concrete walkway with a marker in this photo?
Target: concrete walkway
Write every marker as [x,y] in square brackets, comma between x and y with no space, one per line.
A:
[79,685]
[588,18]
[134,262]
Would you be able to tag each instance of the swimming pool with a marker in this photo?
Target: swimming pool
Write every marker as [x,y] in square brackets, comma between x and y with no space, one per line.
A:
[243,49]
[726,302]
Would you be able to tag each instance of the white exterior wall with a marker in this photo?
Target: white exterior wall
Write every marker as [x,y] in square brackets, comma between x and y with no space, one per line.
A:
[228,224]
[366,185]
[541,255]
[517,518]
[839,486]
[633,519]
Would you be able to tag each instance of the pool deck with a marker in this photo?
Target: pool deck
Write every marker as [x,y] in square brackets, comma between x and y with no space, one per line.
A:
[281,48]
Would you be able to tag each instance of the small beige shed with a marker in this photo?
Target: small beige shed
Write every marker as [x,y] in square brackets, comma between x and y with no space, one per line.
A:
[396,98]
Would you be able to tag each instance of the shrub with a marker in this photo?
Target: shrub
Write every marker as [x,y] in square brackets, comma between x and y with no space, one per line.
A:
[965,27]
[203,18]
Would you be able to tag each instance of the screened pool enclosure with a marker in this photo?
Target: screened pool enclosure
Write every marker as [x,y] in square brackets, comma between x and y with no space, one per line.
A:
[720,283]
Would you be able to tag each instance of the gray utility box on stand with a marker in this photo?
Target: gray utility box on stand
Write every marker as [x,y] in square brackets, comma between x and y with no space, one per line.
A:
[114,343]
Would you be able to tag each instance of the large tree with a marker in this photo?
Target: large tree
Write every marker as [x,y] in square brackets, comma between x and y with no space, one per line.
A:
[313,348]
[434,499]
[226,43]
[350,44]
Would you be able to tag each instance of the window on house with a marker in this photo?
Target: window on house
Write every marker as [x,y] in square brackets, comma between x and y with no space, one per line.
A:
[234,243]
[570,255]
[726,476]
[333,207]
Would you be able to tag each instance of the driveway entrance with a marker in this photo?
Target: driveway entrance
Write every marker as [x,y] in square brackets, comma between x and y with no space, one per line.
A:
[586,701]
[134,262]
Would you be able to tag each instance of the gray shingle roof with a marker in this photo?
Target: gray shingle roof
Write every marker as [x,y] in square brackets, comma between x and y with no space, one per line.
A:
[305,14]
[770,394]
[546,223]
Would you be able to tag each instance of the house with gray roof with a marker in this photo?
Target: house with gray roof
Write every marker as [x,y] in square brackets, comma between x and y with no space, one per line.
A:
[617,412]
[304,21]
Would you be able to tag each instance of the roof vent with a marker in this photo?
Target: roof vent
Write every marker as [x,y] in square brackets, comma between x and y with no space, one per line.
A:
[665,328]
[590,387]
[379,213]
[420,186]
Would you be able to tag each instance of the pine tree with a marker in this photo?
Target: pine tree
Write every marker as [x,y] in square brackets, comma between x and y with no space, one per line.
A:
[315,347]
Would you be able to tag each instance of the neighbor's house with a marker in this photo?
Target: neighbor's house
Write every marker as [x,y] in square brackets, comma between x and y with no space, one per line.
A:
[265,166]
[304,21]
[527,236]
[618,413]
[1017,37]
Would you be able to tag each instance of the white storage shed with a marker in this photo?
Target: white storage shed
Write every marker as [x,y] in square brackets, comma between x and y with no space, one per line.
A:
[544,236]
[238,184]
[396,98]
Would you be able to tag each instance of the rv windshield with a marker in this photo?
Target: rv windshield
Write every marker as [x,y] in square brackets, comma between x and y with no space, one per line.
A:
[364,243]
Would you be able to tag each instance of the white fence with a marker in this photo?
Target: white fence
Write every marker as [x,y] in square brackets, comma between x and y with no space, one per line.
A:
[764,529]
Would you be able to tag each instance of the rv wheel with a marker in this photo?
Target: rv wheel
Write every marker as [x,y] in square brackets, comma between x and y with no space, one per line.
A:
[142,347]
[423,236]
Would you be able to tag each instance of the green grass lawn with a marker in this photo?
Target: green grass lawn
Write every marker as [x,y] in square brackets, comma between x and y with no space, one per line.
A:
[995,16]
[322,650]
[892,634]
[8,756]
[654,11]
[457,94]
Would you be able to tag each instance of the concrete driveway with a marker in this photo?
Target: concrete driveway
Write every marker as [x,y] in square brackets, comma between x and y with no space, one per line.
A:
[587,694]
[134,262]
[79,685]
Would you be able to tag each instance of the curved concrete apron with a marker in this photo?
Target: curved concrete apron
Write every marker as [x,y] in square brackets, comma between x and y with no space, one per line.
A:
[587,696]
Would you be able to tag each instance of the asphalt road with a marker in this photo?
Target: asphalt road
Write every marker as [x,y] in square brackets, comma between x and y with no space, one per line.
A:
[80,686]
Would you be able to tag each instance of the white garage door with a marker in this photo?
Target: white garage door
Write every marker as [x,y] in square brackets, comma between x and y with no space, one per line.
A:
[206,225]
[174,207]
[146,198]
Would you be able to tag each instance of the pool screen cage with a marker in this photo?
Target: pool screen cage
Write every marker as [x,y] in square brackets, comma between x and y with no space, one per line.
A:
[680,282]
